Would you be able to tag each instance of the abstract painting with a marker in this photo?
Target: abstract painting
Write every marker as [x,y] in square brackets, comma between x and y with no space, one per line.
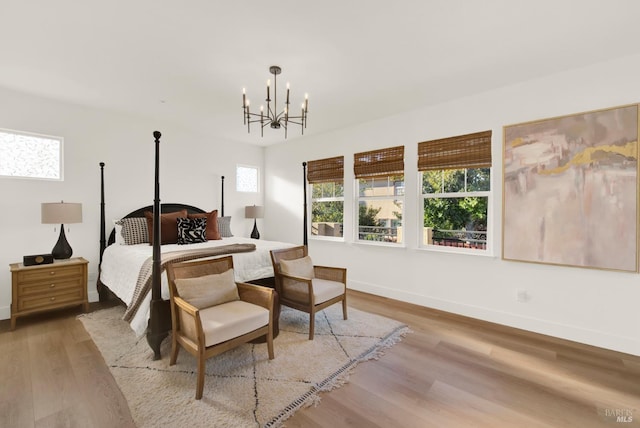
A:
[570,190]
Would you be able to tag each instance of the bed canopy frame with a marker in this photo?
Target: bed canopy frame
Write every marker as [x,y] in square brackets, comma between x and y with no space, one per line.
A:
[159,323]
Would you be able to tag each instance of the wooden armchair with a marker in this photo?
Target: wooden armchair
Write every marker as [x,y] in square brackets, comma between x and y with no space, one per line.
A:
[211,313]
[306,287]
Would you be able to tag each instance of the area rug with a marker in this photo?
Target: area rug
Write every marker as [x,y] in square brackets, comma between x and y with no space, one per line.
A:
[243,388]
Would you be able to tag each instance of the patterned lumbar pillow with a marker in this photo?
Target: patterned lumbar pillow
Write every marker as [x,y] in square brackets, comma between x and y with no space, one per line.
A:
[134,230]
[224,226]
[192,230]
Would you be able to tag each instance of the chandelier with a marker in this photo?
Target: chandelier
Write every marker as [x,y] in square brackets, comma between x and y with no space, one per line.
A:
[272,117]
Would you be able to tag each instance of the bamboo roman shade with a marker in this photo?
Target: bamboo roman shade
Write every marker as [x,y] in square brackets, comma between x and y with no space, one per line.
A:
[382,162]
[326,170]
[463,151]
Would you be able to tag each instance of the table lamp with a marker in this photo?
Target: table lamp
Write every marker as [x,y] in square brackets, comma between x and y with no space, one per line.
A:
[61,213]
[254,212]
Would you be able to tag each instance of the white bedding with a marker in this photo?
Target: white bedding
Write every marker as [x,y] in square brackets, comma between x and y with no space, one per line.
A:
[121,266]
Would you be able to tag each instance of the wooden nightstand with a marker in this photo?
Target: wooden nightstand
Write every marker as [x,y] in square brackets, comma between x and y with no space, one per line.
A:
[42,288]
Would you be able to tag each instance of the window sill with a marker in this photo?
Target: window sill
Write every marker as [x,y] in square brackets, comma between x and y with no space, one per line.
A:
[380,244]
[454,250]
[326,238]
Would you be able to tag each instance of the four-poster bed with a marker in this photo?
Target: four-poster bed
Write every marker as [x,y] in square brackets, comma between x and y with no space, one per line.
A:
[124,266]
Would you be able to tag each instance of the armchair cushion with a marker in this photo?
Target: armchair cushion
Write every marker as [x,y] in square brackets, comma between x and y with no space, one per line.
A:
[208,290]
[302,267]
[227,321]
[323,290]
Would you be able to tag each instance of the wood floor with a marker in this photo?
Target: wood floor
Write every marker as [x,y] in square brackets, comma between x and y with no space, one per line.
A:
[450,372]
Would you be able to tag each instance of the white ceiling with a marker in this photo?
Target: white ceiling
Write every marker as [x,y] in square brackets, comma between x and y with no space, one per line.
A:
[187,61]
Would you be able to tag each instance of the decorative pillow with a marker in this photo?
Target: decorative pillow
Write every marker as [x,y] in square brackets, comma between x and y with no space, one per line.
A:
[224,226]
[192,230]
[119,240]
[134,230]
[302,268]
[209,290]
[212,223]
[168,226]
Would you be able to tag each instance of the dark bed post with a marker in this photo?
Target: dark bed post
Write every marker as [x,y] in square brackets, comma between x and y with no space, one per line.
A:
[304,213]
[103,293]
[222,198]
[155,331]
[103,241]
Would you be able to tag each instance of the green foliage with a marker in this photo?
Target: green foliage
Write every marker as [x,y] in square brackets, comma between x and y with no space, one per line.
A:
[456,213]
[330,212]
[367,216]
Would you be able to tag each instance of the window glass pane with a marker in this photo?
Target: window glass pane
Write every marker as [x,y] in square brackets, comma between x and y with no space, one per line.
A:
[365,186]
[432,181]
[316,191]
[326,218]
[339,190]
[380,220]
[453,180]
[246,179]
[478,179]
[456,222]
[398,185]
[30,156]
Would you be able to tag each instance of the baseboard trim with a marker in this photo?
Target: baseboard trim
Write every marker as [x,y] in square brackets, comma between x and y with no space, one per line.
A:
[599,339]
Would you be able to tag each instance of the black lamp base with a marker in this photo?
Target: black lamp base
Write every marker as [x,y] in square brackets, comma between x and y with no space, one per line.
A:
[254,233]
[62,249]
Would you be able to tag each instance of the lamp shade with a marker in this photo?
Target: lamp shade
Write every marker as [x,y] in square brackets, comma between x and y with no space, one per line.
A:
[61,213]
[253,211]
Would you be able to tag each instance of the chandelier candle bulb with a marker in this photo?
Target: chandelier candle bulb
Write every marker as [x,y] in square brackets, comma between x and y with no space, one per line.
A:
[248,118]
[244,106]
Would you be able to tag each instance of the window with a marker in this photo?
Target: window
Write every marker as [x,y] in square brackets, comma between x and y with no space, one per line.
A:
[247,178]
[380,197]
[456,191]
[25,155]
[326,177]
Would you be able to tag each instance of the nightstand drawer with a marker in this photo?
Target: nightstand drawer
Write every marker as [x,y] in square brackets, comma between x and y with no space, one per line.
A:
[52,286]
[40,288]
[50,300]
[44,274]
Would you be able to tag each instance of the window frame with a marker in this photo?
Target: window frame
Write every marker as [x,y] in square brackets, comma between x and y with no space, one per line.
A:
[460,152]
[488,251]
[391,198]
[60,152]
[325,199]
[321,172]
[257,169]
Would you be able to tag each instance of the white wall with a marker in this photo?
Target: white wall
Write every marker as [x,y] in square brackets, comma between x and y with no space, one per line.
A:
[191,166]
[585,305]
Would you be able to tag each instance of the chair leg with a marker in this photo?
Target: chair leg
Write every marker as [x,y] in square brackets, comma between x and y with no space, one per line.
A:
[344,307]
[270,342]
[312,322]
[200,384]
[174,351]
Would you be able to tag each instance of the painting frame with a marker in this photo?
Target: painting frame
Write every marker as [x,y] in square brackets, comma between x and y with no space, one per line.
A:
[570,190]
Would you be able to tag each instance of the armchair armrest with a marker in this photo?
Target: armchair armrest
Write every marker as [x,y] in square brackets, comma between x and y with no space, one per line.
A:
[256,294]
[188,321]
[289,282]
[331,273]
[186,306]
